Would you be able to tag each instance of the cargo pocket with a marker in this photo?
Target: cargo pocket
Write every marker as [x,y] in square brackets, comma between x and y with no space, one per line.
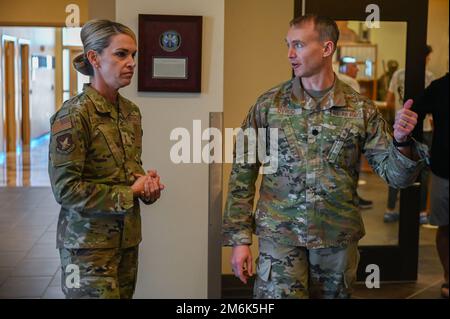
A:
[344,151]
[351,269]
[264,287]
[264,268]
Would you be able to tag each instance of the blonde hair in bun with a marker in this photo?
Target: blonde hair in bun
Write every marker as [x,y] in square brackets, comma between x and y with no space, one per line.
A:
[96,35]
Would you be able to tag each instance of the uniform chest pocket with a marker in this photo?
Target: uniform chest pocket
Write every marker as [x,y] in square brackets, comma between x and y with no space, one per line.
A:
[288,144]
[105,146]
[345,149]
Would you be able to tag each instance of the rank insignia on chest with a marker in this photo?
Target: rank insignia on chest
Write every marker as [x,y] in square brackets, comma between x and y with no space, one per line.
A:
[65,144]
[347,113]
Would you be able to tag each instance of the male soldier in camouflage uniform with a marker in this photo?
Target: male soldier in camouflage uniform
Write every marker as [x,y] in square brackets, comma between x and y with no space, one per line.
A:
[95,158]
[307,215]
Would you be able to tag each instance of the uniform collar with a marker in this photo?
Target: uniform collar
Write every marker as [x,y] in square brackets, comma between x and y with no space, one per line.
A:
[334,98]
[102,105]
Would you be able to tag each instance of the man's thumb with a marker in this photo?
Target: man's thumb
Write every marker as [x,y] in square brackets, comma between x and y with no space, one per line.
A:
[408,104]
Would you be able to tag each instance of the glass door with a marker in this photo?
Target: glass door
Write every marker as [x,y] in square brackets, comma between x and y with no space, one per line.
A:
[391,245]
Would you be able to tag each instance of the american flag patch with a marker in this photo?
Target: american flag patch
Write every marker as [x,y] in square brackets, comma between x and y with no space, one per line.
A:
[61,125]
[134,119]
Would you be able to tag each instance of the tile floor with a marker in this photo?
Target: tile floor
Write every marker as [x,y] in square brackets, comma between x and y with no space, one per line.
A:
[29,260]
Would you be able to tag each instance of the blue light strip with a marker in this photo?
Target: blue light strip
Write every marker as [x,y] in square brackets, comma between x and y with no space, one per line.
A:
[36,142]
[43,139]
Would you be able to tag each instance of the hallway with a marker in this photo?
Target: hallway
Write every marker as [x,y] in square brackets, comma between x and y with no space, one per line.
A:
[29,261]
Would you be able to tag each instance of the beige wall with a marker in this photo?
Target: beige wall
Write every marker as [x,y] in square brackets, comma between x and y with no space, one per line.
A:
[39,12]
[52,12]
[102,9]
[255,61]
[391,41]
[174,252]
[438,36]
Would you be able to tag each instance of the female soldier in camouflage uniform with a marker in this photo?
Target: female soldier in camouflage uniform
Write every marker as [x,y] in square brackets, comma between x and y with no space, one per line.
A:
[96,173]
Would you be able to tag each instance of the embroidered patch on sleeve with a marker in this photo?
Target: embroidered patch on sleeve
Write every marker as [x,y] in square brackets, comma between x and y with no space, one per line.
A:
[65,144]
[61,125]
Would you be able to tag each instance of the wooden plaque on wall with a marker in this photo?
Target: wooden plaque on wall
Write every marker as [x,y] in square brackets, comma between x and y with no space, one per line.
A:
[170,53]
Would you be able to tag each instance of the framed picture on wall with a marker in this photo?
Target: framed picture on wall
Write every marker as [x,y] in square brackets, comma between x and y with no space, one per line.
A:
[170,53]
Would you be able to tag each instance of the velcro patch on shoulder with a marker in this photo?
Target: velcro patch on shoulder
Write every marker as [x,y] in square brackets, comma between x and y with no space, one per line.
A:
[134,119]
[61,124]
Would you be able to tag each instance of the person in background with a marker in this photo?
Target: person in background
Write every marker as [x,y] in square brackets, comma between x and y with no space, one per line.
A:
[435,101]
[394,100]
[384,80]
[348,72]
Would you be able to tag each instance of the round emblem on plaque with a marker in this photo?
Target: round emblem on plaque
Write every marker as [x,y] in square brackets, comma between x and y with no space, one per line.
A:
[170,41]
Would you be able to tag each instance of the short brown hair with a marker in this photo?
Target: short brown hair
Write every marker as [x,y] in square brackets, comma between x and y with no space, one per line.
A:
[325,26]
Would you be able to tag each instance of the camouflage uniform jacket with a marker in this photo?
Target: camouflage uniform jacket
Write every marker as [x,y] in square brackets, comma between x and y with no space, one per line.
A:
[311,199]
[94,151]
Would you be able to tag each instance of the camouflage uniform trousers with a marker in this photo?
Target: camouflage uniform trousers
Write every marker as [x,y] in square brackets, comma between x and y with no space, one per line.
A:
[103,273]
[297,272]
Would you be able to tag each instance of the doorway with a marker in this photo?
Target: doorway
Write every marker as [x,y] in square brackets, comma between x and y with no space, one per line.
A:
[396,258]
[29,67]
[38,76]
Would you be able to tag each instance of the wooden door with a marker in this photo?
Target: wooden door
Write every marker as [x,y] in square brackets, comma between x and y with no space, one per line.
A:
[10,113]
[25,81]
[10,109]
[25,121]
